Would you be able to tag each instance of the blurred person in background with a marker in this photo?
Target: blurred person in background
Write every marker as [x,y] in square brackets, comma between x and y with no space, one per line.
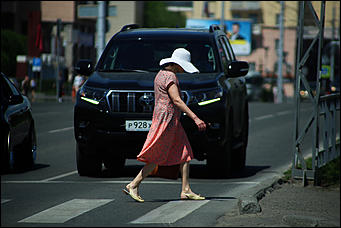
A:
[61,85]
[25,85]
[77,83]
[33,86]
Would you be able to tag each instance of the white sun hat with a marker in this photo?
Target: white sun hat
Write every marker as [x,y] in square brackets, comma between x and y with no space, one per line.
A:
[181,57]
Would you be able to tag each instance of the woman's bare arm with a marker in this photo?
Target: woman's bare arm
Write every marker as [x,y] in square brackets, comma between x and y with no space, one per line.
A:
[173,92]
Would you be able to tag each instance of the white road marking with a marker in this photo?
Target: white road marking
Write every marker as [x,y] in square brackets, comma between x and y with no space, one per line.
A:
[60,130]
[283,113]
[66,211]
[264,117]
[5,200]
[60,176]
[170,212]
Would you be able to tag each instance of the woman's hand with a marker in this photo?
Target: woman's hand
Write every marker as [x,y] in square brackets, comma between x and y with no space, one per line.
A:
[201,124]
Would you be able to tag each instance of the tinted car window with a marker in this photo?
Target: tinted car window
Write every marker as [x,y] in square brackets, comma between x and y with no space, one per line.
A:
[229,47]
[12,87]
[6,91]
[224,57]
[225,49]
[146,55]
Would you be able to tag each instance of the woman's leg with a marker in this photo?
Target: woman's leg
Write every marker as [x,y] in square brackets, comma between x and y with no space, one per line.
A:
[186,189]
[184,170]
[144,172]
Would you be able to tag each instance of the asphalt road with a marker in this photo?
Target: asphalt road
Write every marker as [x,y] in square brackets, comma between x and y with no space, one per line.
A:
[53,194]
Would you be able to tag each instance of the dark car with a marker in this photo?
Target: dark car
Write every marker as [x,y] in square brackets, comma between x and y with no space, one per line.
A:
[113,109]
[18,136]
[254,85]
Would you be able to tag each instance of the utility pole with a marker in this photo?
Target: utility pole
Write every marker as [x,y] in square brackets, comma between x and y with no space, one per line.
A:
[332,56]
[59,23]
[100,28]
[280,57]
[222,19]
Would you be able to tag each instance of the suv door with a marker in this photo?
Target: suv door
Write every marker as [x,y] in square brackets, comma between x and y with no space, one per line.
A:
[16,112]
[237,88]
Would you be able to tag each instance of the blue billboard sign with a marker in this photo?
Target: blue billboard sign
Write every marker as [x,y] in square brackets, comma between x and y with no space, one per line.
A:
[238,32]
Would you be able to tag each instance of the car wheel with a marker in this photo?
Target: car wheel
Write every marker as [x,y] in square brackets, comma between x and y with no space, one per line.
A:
[114,163]
[5,152]
[219,161]
[24,155]
[239,154]
[30,148]
[88,164]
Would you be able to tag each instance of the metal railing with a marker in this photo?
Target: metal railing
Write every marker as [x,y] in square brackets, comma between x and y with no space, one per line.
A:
[325,106]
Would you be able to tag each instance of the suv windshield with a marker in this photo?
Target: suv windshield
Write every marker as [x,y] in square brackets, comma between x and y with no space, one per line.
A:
[145,55]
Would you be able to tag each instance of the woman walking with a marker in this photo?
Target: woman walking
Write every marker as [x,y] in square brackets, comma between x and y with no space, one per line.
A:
[167,143]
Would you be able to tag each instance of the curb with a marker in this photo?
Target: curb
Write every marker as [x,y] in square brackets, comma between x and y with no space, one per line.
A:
[250,204]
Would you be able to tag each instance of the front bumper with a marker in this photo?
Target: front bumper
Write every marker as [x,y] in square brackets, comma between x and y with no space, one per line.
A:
[94,125]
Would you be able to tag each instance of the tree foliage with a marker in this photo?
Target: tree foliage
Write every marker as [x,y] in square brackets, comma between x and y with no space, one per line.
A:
[12,44]
[156,15]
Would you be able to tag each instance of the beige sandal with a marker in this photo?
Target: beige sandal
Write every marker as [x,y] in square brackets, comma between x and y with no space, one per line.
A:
[190,196]
[129,192]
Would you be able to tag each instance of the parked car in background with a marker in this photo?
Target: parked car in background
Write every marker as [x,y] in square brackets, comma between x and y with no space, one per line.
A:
[114,107]
[254,85]
[18,135]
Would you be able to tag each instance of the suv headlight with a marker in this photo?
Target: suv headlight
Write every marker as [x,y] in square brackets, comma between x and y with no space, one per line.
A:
[205,97]
[92,95]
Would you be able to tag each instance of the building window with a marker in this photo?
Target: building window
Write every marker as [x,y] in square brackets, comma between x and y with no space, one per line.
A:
[277,18]
[236,15]
[277,44]
[112,11]
[92,11]
[254,18]
[87,11]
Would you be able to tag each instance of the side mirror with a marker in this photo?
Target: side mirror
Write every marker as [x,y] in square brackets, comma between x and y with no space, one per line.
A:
[84,67]
[15,99]
[237,69]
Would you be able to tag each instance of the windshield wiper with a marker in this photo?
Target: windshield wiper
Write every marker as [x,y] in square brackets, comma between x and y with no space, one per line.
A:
[123,70]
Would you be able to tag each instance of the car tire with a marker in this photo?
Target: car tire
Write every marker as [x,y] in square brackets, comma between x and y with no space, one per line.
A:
[5,152]
[88,164]
[219,162]
[114,163]
[239,154]
[23,155]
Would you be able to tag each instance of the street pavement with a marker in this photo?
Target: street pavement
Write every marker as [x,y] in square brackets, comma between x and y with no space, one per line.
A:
[286,204]
[277,203]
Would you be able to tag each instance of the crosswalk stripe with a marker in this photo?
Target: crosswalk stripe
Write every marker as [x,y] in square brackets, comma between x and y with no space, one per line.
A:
[170,212]
[66,211]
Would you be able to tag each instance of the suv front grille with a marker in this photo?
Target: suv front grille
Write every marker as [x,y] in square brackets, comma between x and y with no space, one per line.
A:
[133,101]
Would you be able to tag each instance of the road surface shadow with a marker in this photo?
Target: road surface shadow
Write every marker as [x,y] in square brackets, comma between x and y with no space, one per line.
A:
[206,198]
[197,171]
[25,169]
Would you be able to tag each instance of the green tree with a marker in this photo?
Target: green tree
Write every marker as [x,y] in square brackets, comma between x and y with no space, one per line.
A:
[156,15]
[12,44]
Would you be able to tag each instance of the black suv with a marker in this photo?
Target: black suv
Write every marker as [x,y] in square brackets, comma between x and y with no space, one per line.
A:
[114,107]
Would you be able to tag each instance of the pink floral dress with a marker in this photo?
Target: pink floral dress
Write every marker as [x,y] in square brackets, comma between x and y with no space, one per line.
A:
[166,143]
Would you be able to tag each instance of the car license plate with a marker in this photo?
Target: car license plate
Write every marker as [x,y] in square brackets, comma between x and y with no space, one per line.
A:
[138,125]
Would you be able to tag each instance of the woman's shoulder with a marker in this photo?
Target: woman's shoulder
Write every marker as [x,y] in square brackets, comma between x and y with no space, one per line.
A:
[168,73]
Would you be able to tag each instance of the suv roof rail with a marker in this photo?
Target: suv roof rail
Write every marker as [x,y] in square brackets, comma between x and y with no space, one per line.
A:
[130,26]
[214,27]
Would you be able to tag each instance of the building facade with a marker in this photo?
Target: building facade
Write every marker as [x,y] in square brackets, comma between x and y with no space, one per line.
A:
[265,28]
[118,14]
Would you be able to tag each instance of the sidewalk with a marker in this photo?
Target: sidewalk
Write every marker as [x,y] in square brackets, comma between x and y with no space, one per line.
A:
[290,205]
